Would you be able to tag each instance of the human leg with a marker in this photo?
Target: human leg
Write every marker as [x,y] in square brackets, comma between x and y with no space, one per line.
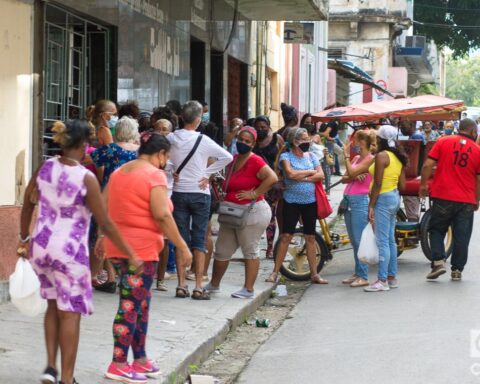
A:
[181,215]
[51,326]
[68,337]
[462,225]
[225,247]
[208,254]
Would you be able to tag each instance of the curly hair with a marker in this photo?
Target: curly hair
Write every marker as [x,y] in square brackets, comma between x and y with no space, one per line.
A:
[72,134]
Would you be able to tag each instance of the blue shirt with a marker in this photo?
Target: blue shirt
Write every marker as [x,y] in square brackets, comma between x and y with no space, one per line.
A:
[299,192]
[111,156]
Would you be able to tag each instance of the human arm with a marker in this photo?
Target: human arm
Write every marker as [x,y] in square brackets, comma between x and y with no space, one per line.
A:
[478,192]
[223,157]
[104,136]
[292,174]
[231,135]
[26,216]
[326,134]
[402,180]
[361,167]
[381,162]
[317,176]
[160,208]
[268,178]
[427,171]
[97,205]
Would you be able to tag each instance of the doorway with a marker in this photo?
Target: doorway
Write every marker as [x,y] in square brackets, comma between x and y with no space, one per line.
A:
[216,92]
[197,69]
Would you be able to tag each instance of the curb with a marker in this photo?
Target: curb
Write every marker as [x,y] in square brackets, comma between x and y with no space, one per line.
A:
[208,346]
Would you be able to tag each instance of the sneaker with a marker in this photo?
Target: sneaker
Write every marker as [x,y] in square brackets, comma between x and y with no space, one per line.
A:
[125,374]
[438,269]
[243,293]
[377,286]
[456,275]
[149,369]
[392,282]
[49,376]
[210,288]
[190,275]
[160,286]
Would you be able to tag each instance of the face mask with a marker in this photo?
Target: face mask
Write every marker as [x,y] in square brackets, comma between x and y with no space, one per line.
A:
[112,122]
[356,149]
[243,148]
[448,131]
[206,117]
[309,127]
[304,147]
[262,134]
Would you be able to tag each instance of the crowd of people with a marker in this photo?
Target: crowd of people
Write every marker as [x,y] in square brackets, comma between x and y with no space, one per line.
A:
[147,180]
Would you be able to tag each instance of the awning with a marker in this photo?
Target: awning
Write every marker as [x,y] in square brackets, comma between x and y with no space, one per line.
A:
[427,107]
[354,73]
[297,10]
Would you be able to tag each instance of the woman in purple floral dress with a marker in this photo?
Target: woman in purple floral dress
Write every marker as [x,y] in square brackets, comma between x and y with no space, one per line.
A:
[67,195]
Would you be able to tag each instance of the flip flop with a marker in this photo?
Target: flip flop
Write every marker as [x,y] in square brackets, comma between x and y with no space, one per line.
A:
[182,292]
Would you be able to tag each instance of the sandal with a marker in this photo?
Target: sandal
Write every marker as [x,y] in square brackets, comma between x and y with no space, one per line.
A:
[318,280]
[160,286]
[182,292]
[200,294]
[272,278]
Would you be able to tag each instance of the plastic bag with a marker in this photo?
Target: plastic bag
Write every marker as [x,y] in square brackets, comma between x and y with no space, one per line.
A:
[368,250]
[25,289]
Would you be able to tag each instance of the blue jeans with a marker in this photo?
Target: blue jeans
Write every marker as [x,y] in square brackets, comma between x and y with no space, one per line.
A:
[385,218]
[356,219]
[460,217]
[192,208]
[171,265]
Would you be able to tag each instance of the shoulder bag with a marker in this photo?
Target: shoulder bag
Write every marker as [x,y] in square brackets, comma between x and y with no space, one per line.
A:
[189,156]
[232,215]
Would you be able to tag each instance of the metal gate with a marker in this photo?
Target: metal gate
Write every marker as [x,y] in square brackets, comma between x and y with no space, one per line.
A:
[71,79]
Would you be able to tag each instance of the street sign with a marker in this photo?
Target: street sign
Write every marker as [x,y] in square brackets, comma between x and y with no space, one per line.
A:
[383,84]
[298,33]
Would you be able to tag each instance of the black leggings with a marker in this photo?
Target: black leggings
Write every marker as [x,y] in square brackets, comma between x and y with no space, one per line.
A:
[292,212]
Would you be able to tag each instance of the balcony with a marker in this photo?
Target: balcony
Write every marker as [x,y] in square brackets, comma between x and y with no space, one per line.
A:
[292,10]
[417,57]
[390,11]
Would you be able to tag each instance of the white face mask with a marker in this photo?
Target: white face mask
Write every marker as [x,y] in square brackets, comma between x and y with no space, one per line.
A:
[112,122]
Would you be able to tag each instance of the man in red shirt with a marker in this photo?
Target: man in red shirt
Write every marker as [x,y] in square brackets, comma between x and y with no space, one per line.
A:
[455,191]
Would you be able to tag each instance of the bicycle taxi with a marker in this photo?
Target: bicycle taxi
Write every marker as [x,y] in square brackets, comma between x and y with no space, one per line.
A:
[408,234]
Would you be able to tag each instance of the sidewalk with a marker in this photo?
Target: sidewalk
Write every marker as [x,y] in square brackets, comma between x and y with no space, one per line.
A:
[182,332]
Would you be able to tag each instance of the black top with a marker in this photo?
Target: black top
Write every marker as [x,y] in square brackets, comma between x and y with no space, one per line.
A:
[333,131]
[270,152]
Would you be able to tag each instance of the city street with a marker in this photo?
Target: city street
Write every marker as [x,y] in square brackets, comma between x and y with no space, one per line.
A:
[418,333]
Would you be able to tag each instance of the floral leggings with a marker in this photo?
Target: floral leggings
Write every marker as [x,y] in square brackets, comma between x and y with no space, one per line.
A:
[131,321]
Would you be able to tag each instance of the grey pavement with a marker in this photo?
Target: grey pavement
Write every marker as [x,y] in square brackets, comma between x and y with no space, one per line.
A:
[423,332]
[181,331]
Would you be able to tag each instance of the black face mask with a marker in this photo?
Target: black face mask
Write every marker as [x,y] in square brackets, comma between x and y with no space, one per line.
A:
[243,148]
[262,134]
[304,147]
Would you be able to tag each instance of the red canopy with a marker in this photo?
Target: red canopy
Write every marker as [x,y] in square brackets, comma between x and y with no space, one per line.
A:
[427,107]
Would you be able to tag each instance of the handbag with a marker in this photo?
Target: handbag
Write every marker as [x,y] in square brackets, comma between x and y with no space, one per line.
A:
[232,215]
[324,209]
[330,159]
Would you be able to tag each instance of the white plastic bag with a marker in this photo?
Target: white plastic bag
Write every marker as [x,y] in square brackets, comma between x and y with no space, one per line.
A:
[368,250]
[25,289]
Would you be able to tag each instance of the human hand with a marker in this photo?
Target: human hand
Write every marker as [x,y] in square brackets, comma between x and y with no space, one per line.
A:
[204,183]
[346,150]
[23,249]
[246,195]
[361,177]
[371,215]
[176,177]
[99,249]
[423,191]
[135,265]
[185,255]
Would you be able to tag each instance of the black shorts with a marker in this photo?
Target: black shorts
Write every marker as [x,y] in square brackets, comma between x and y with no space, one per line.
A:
[292,212]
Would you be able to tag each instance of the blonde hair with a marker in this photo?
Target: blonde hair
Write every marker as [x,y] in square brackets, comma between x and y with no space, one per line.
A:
[158,123]
[60,135]
[93,112]
[72,133]
[127,130]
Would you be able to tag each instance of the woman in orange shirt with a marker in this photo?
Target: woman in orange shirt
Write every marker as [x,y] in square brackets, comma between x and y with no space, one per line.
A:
[138,202]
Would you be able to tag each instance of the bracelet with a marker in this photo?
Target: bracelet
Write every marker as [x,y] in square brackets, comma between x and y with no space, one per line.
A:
[101,236]
[25,240]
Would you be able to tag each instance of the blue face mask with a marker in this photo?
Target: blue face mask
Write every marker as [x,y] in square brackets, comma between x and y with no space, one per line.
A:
[356,149]
[206,117]
[243,148]
[112,122]
[448,131]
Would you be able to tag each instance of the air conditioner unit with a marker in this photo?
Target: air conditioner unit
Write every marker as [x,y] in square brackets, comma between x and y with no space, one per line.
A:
[415,41]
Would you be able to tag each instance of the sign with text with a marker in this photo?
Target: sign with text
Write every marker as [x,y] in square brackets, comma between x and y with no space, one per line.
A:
[298,33]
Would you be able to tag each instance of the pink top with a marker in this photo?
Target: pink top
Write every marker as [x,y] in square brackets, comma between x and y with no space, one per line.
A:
[357,187]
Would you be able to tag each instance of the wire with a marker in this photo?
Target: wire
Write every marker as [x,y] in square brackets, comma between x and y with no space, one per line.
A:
[447,8]
[446,25]
[232,30]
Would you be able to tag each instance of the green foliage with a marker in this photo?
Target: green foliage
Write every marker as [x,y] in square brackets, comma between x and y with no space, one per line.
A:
[192,368]
[449,13]
[428,89]
[463,79]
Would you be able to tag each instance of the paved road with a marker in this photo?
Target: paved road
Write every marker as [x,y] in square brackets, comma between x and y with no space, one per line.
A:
[418,333]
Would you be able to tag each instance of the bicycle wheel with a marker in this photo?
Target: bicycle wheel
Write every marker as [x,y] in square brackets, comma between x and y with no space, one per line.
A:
[425,240]
[401,216]
[295,266]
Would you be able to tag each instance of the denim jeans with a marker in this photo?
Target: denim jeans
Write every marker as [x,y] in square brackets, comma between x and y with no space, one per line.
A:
[460,217]
[386,209]
[356,219]
[191,213]
[171,265]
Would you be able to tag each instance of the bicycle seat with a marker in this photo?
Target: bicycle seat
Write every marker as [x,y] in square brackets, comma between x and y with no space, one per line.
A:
[407,225]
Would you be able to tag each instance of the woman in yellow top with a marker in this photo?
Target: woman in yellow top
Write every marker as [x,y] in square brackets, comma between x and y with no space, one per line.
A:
[388,173]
